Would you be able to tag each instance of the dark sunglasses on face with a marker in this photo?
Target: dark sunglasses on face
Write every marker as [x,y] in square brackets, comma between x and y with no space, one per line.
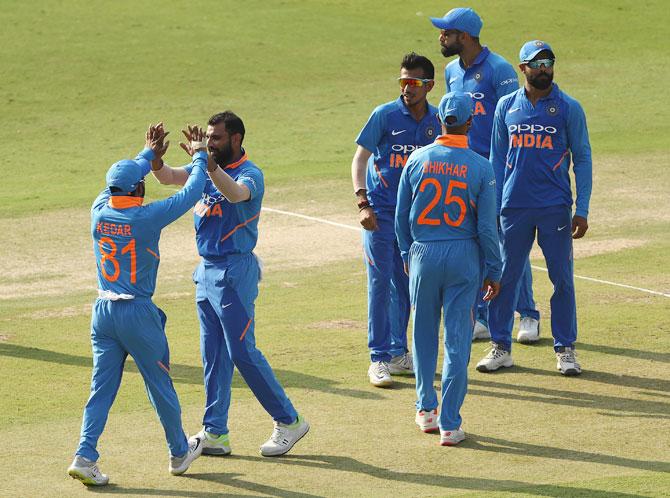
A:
[536,64]
[413,82]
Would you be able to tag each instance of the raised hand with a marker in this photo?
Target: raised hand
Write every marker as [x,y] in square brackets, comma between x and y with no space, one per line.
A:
[196,140]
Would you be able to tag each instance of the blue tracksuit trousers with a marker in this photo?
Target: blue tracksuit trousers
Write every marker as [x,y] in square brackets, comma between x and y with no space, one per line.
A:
[443,276]
[120,328]
[554,235]
[226,289]
[525,305]
[388,291]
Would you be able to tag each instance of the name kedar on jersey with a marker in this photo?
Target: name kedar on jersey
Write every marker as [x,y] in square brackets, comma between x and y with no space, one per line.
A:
[105,228]
[523,135]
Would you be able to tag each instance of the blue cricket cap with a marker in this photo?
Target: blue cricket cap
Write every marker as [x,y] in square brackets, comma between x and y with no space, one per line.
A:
[460,19]
[457,104]
[124,174]
[532,48]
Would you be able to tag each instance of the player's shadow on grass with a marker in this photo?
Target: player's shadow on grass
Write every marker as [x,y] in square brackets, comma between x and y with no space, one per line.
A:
[435,479]
[631,353]
[580,398]
[189,374]
[115,489]
[234,481]
[634,381]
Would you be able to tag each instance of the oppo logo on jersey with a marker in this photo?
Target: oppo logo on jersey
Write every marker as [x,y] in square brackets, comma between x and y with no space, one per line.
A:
[479,106]
[400,154]
[531,136]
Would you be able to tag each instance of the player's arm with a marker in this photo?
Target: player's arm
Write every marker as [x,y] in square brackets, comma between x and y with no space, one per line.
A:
[402,211]
[499,148]
[359,166]
[578,143]
[368,139]
[232,190]
[487,232]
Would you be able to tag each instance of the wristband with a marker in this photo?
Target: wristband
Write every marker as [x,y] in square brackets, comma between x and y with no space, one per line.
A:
[364,204]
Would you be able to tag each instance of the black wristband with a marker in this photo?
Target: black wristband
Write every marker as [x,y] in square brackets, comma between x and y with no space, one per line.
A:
[364,204]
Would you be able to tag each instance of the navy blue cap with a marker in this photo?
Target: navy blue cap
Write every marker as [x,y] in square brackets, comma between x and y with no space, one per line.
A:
[457,104]
[125,175]
[532,48]
[460,19]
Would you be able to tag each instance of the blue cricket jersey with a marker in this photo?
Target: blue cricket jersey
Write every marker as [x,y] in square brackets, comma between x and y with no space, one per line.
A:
[489,78]
[126,233]
[448,192]
[392,134]
[532,147]
[223,228]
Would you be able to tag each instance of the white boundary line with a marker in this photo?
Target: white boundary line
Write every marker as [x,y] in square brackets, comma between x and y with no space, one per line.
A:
[350,227]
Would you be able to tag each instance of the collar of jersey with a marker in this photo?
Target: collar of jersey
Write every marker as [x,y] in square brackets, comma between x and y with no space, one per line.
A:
[457,141]
[238,162]
[125,201]
[479,59]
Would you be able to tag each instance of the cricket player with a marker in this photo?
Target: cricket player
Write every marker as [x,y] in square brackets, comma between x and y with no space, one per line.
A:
[125,321]
[226,232]
[393,131]
[446,217]
[537,132]
[486,77]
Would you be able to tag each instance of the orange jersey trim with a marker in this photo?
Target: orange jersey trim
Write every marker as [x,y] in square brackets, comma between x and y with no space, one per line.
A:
[379,174]
[165,369]
[240,226]
[125,201]
[560,160]
[153,253]
[244,332]
[237,163]
[458,141]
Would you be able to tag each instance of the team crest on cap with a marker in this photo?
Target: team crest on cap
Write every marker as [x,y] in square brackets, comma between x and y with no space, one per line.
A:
[539,43]
[478,76]
[552,110]
[430,132]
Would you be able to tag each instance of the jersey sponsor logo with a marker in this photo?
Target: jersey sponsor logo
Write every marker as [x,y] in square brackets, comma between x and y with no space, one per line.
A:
[524,135]
[105,228]
[479,106]
[514,110]
[202,210]
[398,158]
[397,132]
[507,82]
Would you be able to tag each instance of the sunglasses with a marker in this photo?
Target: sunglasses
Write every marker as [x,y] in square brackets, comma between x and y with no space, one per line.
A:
[540,62]
[413,82]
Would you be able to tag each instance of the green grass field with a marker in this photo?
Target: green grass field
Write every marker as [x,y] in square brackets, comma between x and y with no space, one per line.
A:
[80,83]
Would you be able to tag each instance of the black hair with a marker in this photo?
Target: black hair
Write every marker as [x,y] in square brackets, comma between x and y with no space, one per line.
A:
[416,61]
[231,121]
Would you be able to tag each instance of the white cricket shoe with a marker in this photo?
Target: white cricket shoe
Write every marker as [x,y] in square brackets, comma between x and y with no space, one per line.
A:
[427,420]
[529,330]
[481,331]
[284,436]
[87,472]
[566,362]
[213,444]
[379,374]
[451,438]
[179,465]
[401,365]
[496,358]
